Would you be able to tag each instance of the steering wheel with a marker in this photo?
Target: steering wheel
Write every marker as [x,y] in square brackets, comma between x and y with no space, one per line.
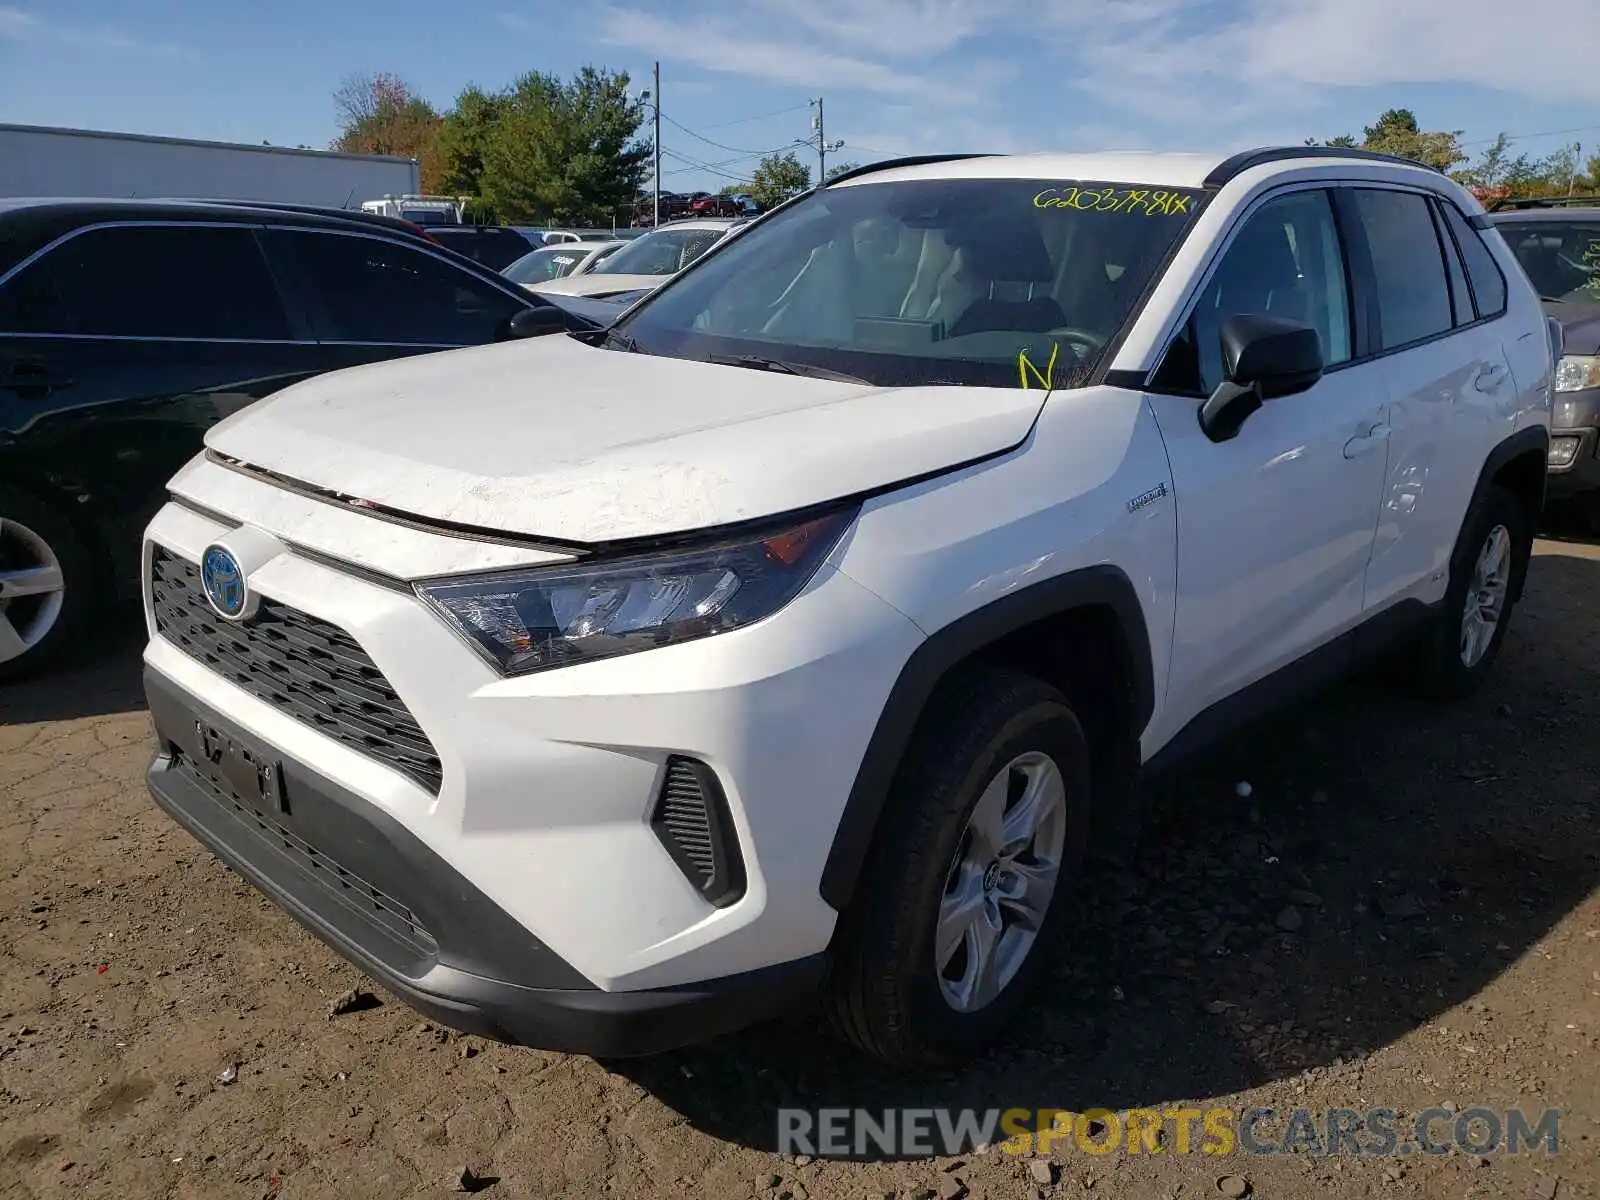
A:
[1085,342]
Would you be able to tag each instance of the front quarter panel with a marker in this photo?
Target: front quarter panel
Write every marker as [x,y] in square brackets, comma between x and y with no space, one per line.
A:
[1090,486]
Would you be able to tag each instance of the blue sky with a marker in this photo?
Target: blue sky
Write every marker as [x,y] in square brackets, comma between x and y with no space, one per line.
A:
[898,76]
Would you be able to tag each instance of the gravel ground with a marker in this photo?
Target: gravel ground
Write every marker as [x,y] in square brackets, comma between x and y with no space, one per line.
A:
[1403,913]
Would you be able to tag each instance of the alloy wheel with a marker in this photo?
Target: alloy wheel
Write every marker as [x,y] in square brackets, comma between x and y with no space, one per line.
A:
[999,888]
[32,589]
[1486,596]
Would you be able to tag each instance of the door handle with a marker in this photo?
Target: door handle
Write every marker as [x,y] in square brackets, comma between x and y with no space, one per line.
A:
[1489,379]
[32,379]
[1366,443]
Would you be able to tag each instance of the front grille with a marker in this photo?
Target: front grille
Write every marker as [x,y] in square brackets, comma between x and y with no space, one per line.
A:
[691,820]
[336,883]
[312,670]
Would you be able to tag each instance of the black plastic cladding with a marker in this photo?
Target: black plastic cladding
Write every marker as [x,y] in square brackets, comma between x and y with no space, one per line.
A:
[691,819]
[312,670]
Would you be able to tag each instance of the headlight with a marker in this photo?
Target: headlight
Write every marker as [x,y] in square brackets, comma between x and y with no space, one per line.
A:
[1578,372]
[555,616]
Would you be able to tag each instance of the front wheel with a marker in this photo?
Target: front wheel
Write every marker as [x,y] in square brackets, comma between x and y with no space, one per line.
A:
[960,901]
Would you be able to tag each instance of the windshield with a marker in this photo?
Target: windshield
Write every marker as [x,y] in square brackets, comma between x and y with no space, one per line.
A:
[660,252]
[1562,258]
[428,216]
[545,264]
[968,281]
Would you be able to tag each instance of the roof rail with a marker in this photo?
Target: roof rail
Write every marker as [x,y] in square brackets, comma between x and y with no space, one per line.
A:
[1230,168]
[1545,202]
[888,164]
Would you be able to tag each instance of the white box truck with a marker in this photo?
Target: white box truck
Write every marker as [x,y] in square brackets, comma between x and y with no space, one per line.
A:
[41,161]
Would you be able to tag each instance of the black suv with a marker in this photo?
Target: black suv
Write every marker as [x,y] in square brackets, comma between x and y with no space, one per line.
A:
[127,328]
[1557,241]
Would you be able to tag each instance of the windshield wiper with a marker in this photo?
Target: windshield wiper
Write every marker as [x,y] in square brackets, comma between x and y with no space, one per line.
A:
[783,367]
[620,341]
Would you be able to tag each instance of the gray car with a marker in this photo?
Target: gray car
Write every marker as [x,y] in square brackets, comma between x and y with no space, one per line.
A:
[1558,244]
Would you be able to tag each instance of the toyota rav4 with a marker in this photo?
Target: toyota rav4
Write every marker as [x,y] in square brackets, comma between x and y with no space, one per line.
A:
[796,636]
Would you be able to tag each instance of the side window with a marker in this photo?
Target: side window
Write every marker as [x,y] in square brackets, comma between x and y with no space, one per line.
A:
[1413,295]
[1460,294]
[29,302]
[168,281]
[367,290]
[1488,284]
[1286,261]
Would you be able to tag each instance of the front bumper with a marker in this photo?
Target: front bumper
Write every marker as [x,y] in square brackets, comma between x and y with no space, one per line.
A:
[1576,416]
[364,885]
[540,790]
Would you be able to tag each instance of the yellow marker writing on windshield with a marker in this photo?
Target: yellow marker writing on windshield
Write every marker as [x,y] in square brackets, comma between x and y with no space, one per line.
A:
[1025,365]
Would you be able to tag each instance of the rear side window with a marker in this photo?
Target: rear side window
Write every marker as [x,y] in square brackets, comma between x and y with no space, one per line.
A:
[1460,293]
[367,290]
[1488,284]
[168,281]
[1413,295]
[29,303]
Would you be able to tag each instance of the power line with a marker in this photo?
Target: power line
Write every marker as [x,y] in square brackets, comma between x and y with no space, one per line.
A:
[1522,137]
[718,145]
[760,117]
[700,166]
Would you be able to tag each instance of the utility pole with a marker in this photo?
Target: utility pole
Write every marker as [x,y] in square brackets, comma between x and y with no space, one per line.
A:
[822,143]
[656,96]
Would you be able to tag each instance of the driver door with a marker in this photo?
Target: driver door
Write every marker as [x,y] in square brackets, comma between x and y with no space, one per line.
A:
[1276,526]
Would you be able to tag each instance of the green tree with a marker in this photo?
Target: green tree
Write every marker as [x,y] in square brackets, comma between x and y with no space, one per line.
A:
[1396,132]
[839,169]
[564,151]
[778,177]
[464,139]
[380,114]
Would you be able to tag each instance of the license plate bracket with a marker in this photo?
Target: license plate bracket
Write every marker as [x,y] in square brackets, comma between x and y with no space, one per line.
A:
[251,773]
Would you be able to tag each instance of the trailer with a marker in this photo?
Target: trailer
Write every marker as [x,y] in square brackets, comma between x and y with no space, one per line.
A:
[41,161]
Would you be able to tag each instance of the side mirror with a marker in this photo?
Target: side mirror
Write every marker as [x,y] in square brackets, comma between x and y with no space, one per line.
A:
[1263,358]
[534,322]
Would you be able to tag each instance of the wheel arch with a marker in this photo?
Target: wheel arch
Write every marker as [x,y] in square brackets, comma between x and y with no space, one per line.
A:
[1103,593]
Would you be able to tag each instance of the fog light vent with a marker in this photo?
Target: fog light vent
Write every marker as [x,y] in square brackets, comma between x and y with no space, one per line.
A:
[691,819]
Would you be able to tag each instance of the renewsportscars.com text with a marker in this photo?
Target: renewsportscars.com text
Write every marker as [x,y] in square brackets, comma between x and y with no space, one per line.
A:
[1364,1133]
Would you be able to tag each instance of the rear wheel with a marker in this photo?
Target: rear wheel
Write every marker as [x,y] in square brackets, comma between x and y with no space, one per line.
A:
[960,902]
[45,585]
[1458,648]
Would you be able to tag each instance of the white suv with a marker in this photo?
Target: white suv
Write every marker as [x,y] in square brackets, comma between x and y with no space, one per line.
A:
[801,632]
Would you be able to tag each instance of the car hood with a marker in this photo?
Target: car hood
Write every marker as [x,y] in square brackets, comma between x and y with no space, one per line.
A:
[553,438]
[597,285]
[1580,325]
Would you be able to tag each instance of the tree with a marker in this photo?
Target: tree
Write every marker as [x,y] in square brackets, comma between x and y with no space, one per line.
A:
[380,114]
[839,169]
[1396,132]
[550,150]
[778,177]
[464,139]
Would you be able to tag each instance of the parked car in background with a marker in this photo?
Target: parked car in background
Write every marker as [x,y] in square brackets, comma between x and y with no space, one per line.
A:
[1557,241]
[673,206]
[802,633]
[717,206]
[127,328]
[646,261]
[561,261]
[494,246]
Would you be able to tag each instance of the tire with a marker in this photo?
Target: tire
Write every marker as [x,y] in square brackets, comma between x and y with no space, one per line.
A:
[41,620]
[887,994]
[1442,665]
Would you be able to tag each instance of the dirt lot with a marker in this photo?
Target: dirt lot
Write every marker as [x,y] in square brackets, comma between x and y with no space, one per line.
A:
[1404,913]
